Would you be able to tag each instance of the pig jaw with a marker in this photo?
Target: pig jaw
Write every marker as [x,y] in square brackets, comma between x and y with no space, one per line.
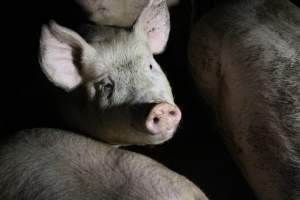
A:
[128,136]
[126,125]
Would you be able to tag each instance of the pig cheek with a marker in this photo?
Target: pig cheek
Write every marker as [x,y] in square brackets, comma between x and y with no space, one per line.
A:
[122,134]
[114,125]
[119,135]
[94,99]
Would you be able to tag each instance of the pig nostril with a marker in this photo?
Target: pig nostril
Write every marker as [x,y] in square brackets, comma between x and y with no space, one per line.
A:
[155,120]
[173,113]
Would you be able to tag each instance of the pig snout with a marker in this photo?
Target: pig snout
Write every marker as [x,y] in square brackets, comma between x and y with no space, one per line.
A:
[163,119]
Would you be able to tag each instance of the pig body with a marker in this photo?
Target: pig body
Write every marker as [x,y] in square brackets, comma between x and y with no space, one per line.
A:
[112,87]
[245,56]
[53,164]
[117,13]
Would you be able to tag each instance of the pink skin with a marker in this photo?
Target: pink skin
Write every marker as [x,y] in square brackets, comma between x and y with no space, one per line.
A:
[163,119]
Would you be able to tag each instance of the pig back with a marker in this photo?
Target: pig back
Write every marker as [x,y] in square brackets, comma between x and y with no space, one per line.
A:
[53,164]
[246,57]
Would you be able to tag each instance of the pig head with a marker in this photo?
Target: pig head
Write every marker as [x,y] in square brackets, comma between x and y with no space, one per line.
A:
[114,90]
[245,56]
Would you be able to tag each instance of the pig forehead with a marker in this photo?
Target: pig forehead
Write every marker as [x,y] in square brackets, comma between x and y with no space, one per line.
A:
[118,62]
[123,54]
[122,43]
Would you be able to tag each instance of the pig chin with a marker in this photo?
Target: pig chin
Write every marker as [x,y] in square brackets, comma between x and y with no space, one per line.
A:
[152,139]
[132,136]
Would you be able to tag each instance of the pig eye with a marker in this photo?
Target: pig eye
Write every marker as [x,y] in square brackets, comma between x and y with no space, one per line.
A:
[105,87]
[151,66]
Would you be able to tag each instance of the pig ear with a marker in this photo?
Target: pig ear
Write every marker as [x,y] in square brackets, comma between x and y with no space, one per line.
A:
[154,21]
[62,54]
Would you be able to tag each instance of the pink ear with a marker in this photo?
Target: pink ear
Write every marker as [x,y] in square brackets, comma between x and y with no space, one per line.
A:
[155,22]
[57,46]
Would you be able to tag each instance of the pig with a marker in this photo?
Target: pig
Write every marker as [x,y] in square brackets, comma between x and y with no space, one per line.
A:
[111,87]
[115,12]
[50,164]
[245,57]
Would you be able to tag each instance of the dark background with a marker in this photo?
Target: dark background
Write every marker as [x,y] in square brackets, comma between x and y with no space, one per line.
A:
[196,151]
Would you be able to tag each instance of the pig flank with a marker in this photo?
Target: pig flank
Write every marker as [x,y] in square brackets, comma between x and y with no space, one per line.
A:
[245,56]
[110,79]
[47,164]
